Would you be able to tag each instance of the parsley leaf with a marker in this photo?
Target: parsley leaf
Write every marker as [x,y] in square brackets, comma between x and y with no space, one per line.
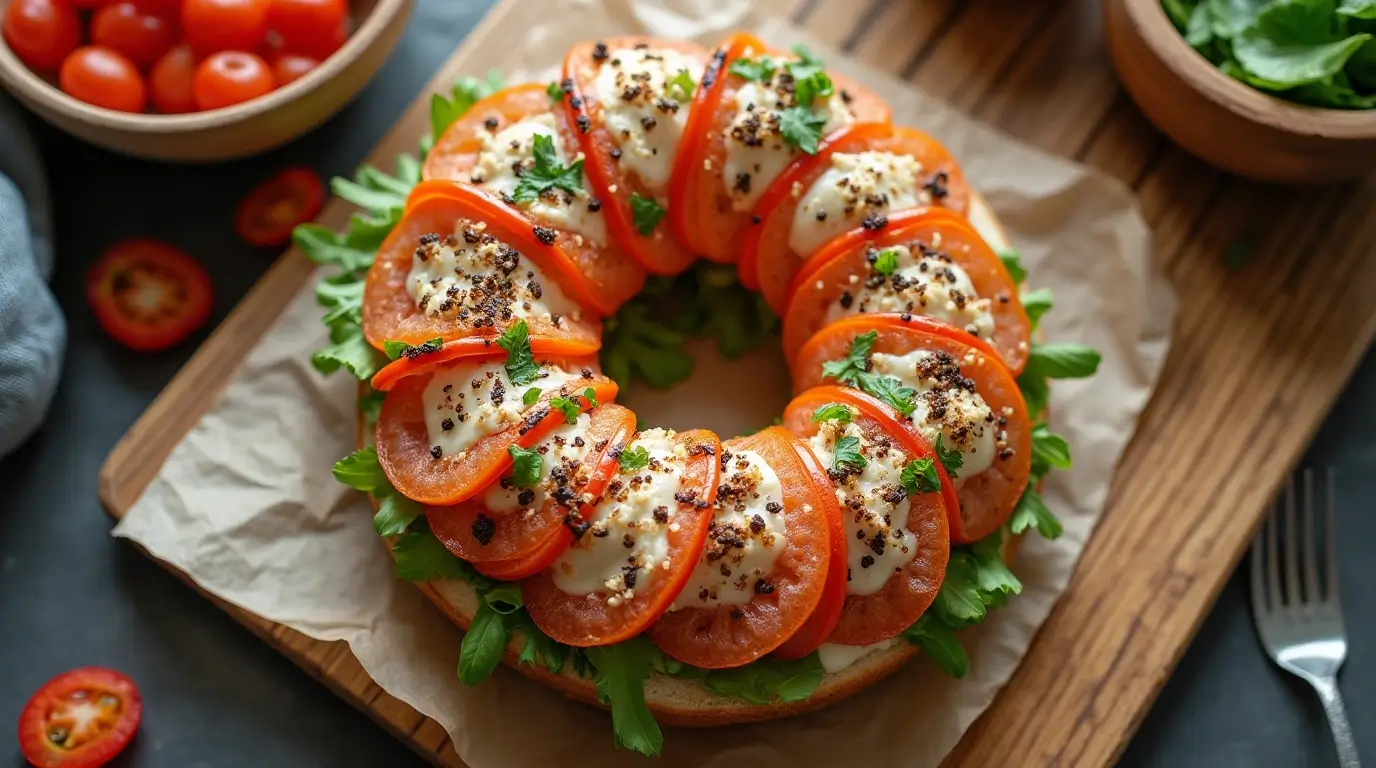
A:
[951,459]
[352,352]
[890,390]
[831,412]
[570,407]
[505,598]
[1049,450]
[761,69]
[531,396]
[646,211]
[958,602]
[856,362]
[361,471]
[555,91]
[547,173]
[1062,361]
[1012,261]
[590,395]
[395,514]
[1031,512]
[938,642]
[1037,303]
[483,645]
[635,458]
[886,261]
[421,557]
[847,453]
[396,349]
[801,128]
[521,367]
[526,464]
[920,476]
[622,670]
[680,86]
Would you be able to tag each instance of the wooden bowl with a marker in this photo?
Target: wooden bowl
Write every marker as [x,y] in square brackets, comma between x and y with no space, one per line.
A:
[224,134]
[1223,121]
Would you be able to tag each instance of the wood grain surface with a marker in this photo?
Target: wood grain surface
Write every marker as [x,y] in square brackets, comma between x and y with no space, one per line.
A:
[1261,352]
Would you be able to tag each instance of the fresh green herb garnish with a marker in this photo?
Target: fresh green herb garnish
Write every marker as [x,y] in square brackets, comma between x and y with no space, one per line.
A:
[622,670]
[646,211]
[831,412]
[802,128]
[856,361]
[396,349]
[920,476]
[761,69]
[526,464]
[547,173]
[633,459]
[570,407]
[847,454]
[521,367]
[886,261]
[1012,261]
[555,91]
[951,459]
[854,371]
[892,391]
[680,86]
[465,93]
[531,396]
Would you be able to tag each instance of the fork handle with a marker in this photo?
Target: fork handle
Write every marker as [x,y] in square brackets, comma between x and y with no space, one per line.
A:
[1327,688]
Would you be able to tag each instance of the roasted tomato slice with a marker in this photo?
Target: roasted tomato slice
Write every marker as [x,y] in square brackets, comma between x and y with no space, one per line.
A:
[527,110]
[638,546]
[511,521]
[272,209]
[148,295]
[860,176]
[893,570]
[443,435]
[988,496]
[765,566]
[460,264]
[80,719]
[631,94]
[936,265]
[708,208]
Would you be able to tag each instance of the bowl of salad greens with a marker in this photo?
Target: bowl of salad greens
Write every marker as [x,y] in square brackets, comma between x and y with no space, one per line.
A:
[1277,90]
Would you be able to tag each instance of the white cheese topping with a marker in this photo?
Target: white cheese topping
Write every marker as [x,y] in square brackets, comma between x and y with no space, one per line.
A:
[745,537]
[947,405]
[643,115]
[477,280]
[756,152]
[627,543]
[874,506]
[466,402]
[835,657]
[513,148]
[561,457]
[855,189]
[927,283]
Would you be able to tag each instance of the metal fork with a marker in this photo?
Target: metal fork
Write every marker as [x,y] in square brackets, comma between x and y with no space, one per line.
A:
[1301,626]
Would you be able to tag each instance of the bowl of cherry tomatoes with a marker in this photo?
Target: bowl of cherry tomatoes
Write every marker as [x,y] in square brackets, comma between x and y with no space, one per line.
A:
[193,80]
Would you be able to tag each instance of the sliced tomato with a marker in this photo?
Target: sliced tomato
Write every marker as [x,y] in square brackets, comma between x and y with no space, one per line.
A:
[440,209]
[831,278]
[770,263]
[149,295]
[480,535]
[988,498]
[80,719]
[592,619]
[701,210]
[659,252]
[908,593]
[614,275]
[732,635]
[273,209]
[542,557]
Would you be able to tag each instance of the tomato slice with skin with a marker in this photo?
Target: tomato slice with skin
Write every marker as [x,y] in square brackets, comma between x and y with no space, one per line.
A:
[443,208]
[726,635]
[701,211]
[907,594]
[149,295]
[985,500]
[538,560]
[660,252]
[826,278]
[588,620]
[766,257]
[614,275]
[271,210]
[80,719]
[519,534]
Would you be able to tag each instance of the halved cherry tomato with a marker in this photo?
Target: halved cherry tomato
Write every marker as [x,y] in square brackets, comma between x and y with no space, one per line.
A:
[307,24]
[80,719]
[586,620]
[267,215]
[723,635]
[988,498]
[614,275]
[766,257]
[42,33]
[170,81]
[520,539]
[443,209]
[290,67]
[702,212]
[141,37]
[211,26]
[148,295]
[659,252]
[867,619]
[831,279]
[230,77]
[104,78]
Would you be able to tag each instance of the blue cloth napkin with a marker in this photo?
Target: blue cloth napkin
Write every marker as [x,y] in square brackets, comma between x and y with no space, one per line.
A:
[33,333]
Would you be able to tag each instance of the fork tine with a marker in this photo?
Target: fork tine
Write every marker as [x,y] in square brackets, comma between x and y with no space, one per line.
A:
[1330,549]
[1259,607]
[1272,561]
[1292,560]
[1311,553]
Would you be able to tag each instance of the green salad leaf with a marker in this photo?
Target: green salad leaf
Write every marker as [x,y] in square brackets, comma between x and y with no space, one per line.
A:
[622,670]
[547,173]
[646,213]
[831,412]
[769,681]
[483,644]
[422,557]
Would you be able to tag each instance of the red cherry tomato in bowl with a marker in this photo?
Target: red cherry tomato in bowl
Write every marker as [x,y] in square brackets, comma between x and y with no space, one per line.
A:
[272,209]
[307,25]
[290,67]
[42,33]
[148,295]
[80,719]
[104,78]
[169,83]
[142,37]
[230,77]
[211,26]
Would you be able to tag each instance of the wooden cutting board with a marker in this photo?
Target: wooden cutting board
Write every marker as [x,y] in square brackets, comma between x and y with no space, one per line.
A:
[1261,352]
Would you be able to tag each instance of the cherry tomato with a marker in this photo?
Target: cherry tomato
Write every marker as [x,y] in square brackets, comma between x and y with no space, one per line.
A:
[270,211]
[211,26]
[230,77]
[304,24]
[104,78]
[86,5]
[168,9]
[170,81]
[321,47]
[148,295]
[289,67]
[41,32]
[80,719]
[142,37]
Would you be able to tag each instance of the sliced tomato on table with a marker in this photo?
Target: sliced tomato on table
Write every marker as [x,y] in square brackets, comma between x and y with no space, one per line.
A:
[702,212]
[614,275]
[985,500]
[767,259]
[271,210]
[80,719]
[908,592]
[830,281]
[148,295]
[710,634]
[646,236]
[598,617]
[437,210]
